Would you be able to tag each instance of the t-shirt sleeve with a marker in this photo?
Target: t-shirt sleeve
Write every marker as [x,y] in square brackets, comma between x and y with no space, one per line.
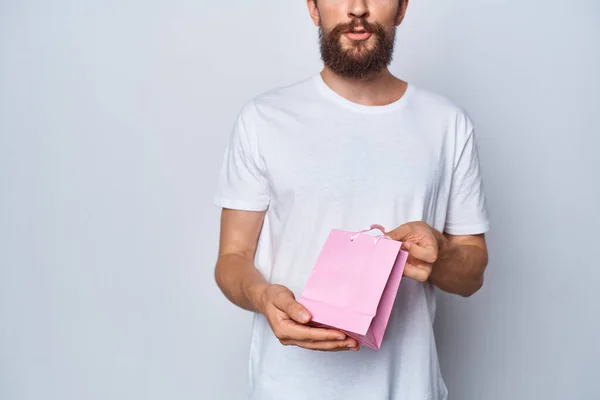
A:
[242,183]
[467,209]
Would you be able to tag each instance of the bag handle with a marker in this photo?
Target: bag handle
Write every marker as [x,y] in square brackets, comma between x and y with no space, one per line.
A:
[370,228]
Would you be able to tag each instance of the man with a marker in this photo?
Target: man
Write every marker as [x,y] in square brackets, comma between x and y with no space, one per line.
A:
[349,147]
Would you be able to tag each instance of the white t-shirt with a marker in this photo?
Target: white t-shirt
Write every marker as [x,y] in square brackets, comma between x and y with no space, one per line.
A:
[316,161]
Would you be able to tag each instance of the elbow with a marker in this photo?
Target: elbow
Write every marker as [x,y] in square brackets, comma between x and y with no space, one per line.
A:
[473,288]
[218,275]
[476,280]
[218,280]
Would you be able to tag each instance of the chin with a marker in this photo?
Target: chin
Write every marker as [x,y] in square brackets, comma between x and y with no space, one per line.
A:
[358,53]
[346,42]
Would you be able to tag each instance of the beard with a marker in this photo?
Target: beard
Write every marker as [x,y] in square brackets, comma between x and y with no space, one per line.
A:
[358,61]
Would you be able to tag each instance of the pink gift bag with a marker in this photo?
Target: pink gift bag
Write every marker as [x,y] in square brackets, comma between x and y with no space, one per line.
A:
[354,282]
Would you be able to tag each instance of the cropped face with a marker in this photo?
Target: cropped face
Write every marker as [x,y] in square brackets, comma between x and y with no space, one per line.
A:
[357,36]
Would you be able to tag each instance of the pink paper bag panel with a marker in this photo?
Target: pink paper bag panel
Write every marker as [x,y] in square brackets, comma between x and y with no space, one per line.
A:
[353,284]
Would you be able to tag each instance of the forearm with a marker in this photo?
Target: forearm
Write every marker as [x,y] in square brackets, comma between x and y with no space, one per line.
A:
[459,268]
[240,281]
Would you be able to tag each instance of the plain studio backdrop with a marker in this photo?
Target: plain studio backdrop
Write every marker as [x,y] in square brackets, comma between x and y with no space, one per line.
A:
[114,117]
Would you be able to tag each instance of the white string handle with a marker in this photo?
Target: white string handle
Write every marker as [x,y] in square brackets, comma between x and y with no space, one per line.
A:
[370,228]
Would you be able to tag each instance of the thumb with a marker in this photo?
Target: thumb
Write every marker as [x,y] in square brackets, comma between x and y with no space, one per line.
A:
[400,233]
[294,310]
[422,253]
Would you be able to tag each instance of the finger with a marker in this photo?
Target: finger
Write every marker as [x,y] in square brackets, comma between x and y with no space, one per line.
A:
[428,254]
[305,345]
[285,302]
[291,330]
[400,233]
[417,273]
[336,345]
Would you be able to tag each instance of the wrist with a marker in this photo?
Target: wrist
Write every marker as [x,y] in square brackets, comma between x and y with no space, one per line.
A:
[444,244]
[256,295]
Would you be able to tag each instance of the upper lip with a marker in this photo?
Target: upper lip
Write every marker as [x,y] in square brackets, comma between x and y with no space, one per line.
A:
[358,30]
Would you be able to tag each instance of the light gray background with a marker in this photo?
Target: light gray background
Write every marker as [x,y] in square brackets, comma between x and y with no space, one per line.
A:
[113,118]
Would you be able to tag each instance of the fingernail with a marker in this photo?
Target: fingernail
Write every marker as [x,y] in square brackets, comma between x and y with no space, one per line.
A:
[407,245]
[304,317]
[351,345]
[341,337]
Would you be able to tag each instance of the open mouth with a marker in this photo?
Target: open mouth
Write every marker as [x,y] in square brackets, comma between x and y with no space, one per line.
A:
[358,34]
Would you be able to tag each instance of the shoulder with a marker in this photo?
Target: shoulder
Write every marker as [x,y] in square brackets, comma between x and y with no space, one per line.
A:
[282,98]
[433,105]
[262,109]
[430,101]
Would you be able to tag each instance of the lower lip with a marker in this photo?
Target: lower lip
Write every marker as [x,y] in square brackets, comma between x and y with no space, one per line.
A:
[358,36]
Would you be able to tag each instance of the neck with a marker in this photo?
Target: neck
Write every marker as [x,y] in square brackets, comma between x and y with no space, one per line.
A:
[380,89]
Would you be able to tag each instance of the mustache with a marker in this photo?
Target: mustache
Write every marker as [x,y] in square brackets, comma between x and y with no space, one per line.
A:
[352,25]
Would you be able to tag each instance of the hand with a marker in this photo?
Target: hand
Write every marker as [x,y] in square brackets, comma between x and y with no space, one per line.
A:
[288,320]
[422,244]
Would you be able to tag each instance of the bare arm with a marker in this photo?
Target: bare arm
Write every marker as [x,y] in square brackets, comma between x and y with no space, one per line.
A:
[455,264]
[460,264]
[235,273]
[242,283]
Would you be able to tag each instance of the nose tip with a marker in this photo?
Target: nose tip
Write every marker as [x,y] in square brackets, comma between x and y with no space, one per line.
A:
[358,14]
[358,10]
